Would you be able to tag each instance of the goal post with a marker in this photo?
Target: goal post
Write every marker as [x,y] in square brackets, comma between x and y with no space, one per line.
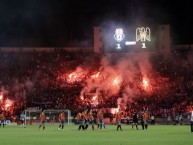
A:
[32,116]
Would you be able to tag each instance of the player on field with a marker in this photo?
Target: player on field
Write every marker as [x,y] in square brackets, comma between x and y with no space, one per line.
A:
[91,118]
[2,119]
[135,120]
[100,118]
[191,122]
[86,121]
[118,119]
[61,118]
[142,120]
[146,118]
[81,121]
[43,120]
[22,118]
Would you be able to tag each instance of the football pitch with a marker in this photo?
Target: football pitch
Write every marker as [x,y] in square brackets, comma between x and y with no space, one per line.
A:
[155,135]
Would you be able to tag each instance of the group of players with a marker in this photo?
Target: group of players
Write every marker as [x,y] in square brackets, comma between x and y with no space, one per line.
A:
[86,118]
[61,118]
[145,117]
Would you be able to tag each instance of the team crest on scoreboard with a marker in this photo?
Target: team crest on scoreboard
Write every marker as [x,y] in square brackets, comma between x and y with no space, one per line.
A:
[119,36]
[143,34]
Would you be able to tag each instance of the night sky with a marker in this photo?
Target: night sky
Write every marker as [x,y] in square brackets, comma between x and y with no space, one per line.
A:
[55,23]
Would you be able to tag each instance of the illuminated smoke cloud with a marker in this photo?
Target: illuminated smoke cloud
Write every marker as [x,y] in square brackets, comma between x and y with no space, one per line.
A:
[125,76]
[8,103]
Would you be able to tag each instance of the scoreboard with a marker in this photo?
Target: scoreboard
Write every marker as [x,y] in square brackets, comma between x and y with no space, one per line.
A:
[120,39]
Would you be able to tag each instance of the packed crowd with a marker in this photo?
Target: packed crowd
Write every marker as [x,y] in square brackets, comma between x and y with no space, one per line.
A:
[31,80]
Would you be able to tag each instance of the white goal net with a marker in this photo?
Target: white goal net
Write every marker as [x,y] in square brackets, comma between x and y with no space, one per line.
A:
[32,116]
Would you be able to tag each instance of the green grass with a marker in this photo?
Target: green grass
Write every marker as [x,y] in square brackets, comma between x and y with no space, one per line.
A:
[155,135]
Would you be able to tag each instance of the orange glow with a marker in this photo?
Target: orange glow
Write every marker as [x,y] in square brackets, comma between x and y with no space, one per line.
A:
[94,98]
[145,83]
[82,97]
[8,103]
[75,77]
[116,81]
[1,97]
[114,110]
[95,75]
